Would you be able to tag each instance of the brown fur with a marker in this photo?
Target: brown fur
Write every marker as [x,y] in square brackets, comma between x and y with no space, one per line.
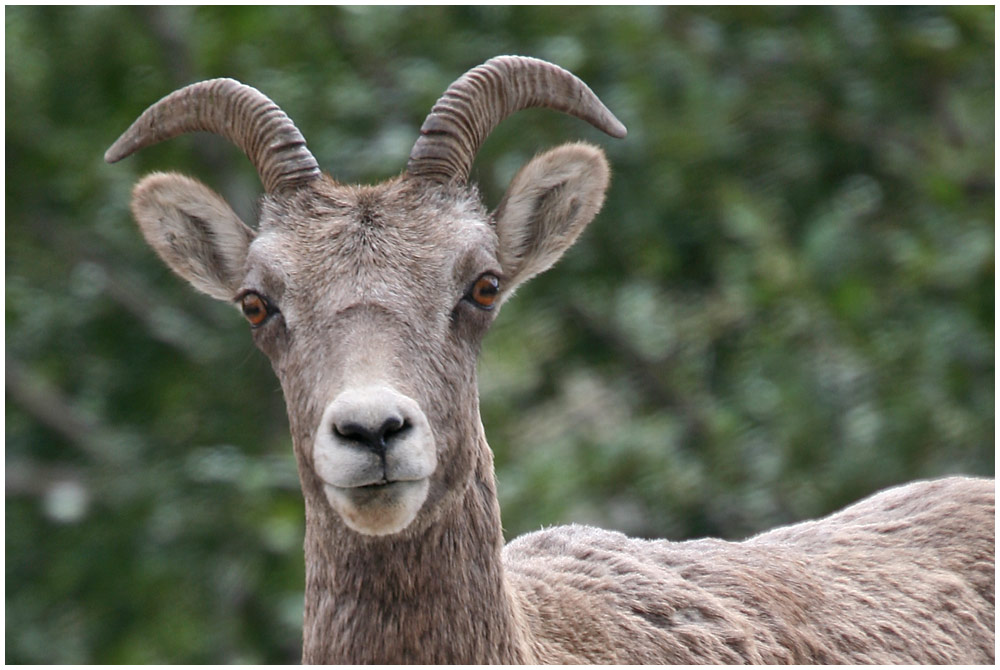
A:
[905,576]
[369,287]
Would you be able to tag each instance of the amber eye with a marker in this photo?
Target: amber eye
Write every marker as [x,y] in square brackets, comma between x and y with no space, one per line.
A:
[254,309]
[485,291]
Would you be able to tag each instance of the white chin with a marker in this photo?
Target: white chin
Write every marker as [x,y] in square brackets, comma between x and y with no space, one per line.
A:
[378,510]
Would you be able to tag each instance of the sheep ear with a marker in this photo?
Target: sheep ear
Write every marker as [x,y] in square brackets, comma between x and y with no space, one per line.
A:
[194,231]
[548,204]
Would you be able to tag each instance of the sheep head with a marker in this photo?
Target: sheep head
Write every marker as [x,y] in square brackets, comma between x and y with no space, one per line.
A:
[371,301]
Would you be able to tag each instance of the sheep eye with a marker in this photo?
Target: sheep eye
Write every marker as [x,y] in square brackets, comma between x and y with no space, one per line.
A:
[255,308]
[484,291]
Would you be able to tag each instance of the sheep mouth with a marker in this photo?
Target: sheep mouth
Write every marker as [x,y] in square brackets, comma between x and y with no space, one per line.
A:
[378,508]
[382,482]
[381,490]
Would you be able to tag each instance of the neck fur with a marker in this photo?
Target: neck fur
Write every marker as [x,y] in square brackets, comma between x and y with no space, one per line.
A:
[435,596]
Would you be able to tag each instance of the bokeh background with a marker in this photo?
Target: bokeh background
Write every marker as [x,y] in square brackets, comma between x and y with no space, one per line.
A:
[786,303]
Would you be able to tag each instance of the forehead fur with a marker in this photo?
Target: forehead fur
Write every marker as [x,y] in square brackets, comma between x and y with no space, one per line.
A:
[393,231]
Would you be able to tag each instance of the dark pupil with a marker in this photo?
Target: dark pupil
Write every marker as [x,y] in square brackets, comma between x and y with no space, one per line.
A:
[252,307]
[487,287]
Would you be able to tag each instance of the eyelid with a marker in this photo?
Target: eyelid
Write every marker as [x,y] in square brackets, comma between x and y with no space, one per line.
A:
[245,292]
[489,273]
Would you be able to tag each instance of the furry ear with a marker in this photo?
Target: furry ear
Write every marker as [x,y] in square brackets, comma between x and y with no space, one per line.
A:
[546,207]
[194,231]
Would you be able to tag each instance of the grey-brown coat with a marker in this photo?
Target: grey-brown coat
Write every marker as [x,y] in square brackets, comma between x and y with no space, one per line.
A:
[372,301]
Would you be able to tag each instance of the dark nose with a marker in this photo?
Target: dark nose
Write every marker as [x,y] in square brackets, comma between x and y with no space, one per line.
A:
[374,437]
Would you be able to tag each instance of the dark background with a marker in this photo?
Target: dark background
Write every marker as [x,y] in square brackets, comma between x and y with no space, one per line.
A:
[786,303]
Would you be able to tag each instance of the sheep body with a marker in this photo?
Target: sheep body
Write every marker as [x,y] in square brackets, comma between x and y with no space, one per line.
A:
[905,576]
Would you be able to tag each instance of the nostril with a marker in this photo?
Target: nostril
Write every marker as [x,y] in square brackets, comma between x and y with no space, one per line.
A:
[393,426]
[354,432]
[374,439]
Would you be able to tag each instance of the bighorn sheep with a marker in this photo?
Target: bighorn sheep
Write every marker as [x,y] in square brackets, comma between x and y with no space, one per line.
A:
[371,302]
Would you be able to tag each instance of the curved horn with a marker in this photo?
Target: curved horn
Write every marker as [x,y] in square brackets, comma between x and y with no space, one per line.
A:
[484,96]
[242,114]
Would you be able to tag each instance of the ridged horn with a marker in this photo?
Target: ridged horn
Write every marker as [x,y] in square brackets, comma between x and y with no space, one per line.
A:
[484,96]
[240,113]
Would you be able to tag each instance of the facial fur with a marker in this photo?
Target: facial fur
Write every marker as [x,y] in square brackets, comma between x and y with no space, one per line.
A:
[363,299]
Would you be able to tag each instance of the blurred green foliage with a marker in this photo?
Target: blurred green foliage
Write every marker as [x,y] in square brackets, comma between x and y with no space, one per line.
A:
[787,302]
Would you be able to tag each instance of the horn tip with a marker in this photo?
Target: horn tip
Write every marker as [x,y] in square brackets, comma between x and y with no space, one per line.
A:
[116,152]
[618,130]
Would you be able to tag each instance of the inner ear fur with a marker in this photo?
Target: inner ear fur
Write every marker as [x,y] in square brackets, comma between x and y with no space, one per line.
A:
[194,231]
[547,205]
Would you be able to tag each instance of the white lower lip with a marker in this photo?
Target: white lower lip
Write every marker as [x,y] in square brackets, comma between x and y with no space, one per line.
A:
[378,509]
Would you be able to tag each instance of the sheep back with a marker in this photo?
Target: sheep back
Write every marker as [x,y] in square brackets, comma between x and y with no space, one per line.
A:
[905,576]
